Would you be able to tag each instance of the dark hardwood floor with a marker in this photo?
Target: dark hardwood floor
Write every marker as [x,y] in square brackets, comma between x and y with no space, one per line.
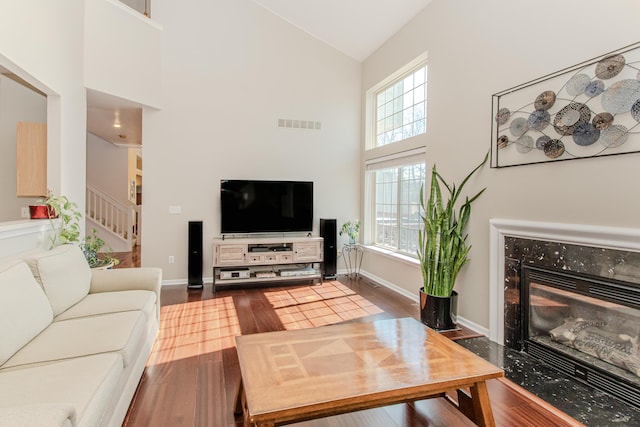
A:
[192,376]
[128,259]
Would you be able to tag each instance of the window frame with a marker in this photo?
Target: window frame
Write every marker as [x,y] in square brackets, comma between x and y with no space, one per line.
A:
[414,157]
[396,115]
[371,102]
[404,152]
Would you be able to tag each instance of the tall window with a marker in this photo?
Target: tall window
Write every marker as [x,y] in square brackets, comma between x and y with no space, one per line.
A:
[395,158]
[401,108]
[396,219]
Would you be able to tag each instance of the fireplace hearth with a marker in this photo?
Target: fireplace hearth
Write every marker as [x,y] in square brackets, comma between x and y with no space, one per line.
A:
[587,327]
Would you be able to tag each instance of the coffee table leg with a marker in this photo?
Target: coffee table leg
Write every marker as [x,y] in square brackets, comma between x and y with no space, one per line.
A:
[482,405]
[240,401]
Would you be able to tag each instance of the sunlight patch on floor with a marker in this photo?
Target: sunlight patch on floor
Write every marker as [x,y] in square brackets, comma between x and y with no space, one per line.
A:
[209,326]
[330,303]
[194,328]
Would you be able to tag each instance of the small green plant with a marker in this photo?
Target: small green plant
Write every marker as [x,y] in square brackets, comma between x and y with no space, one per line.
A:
[351,229]
[70,216]
[442,244]
[91,247]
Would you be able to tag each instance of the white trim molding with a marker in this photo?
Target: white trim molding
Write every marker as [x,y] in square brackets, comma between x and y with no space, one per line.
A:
[25,235]
[576,234]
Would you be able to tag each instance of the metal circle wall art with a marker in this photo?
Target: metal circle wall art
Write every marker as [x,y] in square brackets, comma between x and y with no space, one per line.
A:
[588,110]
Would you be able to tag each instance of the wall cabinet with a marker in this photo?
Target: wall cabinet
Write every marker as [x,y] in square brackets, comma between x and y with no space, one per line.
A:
[31,159]
[246,260]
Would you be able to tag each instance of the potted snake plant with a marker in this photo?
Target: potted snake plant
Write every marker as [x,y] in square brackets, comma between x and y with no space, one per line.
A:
[443,248]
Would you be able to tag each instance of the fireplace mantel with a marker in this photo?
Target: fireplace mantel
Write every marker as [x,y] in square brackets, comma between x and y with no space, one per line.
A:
[577,234]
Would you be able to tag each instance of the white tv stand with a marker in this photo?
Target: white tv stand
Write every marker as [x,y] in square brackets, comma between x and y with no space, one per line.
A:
[266,259]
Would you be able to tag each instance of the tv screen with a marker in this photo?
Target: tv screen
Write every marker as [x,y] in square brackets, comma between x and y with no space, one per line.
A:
[251,206]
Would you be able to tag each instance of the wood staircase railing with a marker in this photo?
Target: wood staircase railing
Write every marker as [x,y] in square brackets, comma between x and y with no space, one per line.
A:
[112,216]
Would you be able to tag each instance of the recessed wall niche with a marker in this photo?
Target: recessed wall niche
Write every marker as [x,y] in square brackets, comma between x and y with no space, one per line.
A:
[18,103]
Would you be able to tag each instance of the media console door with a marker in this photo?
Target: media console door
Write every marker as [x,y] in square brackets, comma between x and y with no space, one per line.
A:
[307,251]
[230,254]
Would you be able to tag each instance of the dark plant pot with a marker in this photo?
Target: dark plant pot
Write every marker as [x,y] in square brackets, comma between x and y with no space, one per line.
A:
[440,313]
[41,212]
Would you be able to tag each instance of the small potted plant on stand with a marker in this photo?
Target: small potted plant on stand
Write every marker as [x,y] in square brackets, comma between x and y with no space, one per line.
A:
[351,229]
[96,252]
[443,249]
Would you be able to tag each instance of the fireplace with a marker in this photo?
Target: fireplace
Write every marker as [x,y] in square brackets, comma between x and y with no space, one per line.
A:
[569,295]
[584,326]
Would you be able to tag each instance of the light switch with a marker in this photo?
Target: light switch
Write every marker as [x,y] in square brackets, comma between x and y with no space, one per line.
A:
[175,210]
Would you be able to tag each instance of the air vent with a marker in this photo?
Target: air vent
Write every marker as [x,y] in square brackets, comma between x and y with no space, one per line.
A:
[299,124]
[551,358]
[619,389]
[554,279]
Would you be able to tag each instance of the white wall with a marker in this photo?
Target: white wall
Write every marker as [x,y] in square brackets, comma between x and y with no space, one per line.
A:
[122,52]
[42,41]
[108,168]
[476,49]
[230,70]
[17,104]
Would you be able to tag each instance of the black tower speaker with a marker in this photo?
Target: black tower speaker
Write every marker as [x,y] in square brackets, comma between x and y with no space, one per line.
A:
[195,255]
[329,232]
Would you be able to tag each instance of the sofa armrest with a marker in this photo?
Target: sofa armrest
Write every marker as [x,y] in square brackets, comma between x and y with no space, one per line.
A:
[127,279]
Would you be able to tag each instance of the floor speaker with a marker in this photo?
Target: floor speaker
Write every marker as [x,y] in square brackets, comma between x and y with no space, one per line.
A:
[329,232]
[195,255]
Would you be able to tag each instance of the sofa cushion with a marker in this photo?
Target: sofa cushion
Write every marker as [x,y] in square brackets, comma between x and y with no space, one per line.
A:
[64,275]
[115,332]
[87,384]
[24,309]
[112,302]
[41,415]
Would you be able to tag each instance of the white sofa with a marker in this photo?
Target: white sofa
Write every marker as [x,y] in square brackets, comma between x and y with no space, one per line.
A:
[73,341]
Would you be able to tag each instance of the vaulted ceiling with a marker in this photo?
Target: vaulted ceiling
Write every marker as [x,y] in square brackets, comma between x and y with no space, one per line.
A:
[355,27]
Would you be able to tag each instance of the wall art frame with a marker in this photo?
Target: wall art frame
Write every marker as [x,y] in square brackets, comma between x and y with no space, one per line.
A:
[588,110]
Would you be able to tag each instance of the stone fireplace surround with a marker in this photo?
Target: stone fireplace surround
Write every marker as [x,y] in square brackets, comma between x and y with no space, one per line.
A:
[580,401]
[595,250]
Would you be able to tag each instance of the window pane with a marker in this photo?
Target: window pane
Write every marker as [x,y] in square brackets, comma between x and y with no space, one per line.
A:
[397,207]
[388,96]
[408,83]
[407,131]
[418,112]
[408,116]
[419,94]
[397,120]
[402,99]
[407,100]
[397,104]
[420,76]
[397,90]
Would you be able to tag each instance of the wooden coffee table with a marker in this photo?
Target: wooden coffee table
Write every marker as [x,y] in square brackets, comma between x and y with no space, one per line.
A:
[290,376]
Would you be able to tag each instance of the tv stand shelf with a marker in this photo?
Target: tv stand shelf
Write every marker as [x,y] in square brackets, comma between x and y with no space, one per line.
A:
[267,259]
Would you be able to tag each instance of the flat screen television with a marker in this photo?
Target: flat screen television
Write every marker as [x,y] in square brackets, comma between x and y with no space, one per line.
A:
[252,206]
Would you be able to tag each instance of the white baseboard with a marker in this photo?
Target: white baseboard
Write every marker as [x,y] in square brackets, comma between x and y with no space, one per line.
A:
[473,326]
[416,298]
[413,296]
[183,282]
[378,280]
